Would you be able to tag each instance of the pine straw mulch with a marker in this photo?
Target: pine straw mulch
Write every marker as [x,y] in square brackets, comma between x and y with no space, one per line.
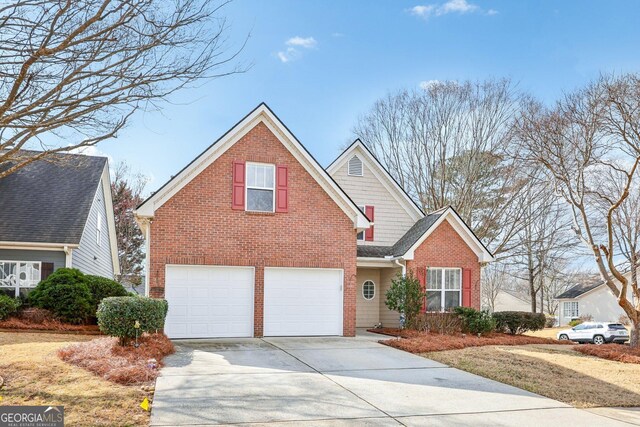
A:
[122,365]
[615,352]
[426,342]
[37,319]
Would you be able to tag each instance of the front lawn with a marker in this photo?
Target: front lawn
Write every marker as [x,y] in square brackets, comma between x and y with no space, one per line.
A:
[555,371]
[35,375]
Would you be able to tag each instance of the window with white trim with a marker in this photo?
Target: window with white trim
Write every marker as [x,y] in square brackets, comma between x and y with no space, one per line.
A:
[99,231]
[368,290]
[19,274]
[444,288]
[360,235]
[571,309]
[354,168]
[261,193]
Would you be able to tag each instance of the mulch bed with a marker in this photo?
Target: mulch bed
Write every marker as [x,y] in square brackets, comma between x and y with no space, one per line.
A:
[425,342]
[14,324]
[615,352]
[123,365]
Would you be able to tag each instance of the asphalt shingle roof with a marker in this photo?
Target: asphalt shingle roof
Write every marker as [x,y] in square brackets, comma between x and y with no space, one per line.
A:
[48,201]
[579,289]
[405,242]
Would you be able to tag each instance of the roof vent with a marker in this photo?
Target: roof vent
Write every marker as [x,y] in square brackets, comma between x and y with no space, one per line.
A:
[355,166]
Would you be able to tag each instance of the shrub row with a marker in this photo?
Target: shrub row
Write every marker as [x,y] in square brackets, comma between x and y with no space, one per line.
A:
[518,322]
[73,296]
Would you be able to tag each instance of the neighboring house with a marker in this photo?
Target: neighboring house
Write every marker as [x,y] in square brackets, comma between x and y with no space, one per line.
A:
[255,238]
[54,213]
[508,300]
[593,299]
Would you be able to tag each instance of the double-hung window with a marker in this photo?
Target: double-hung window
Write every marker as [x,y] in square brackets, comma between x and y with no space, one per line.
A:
[360,235]
[444,288]
[571,309]
[260,187]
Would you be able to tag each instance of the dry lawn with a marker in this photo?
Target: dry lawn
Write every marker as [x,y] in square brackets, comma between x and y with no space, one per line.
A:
[34,375]
[555,371]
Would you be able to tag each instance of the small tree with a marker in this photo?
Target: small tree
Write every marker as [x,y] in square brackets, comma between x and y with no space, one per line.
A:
[406,297]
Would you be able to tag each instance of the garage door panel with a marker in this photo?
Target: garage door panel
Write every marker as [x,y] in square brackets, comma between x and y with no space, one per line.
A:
[209,301]
[299,301]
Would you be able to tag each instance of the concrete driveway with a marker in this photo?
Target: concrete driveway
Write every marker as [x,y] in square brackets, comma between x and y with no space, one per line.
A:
[338,381]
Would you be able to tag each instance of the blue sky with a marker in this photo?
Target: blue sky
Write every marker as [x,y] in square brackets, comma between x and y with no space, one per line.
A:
[320,64]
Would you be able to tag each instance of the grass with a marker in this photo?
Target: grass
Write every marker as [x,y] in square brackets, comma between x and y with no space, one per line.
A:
[555,371]
[34,375]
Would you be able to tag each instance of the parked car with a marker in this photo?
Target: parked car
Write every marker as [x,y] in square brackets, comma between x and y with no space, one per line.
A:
[596,332]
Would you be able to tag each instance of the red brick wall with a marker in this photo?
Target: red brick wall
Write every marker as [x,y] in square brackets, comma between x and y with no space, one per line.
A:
[445,248]
[197,226]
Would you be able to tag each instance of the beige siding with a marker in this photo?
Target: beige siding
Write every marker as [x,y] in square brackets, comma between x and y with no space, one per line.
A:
[388,318]
[391,219]
[507,302]
[367,311]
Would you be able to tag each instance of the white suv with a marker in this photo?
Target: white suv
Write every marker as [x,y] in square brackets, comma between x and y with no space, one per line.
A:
[596,332]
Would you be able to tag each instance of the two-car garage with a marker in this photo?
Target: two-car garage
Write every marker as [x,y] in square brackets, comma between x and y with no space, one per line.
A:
[218,301]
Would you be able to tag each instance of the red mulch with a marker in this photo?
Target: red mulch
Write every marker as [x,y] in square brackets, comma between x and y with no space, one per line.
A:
[616,352]
[123,365]
[425,342]
[46,325]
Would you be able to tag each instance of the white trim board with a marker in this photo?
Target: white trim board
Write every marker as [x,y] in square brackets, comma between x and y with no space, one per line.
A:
[387,181]
[262,114]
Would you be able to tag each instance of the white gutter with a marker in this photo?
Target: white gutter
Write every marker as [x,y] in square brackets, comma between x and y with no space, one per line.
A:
[37,246]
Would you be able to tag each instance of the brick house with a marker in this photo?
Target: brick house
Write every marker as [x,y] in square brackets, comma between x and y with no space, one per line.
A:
[255,238]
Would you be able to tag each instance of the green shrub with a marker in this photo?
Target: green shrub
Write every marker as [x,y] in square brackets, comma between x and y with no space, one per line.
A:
[405,296]
[518,322]
[474,321]
[101,287]
[8,306]
[575,322]
[117,316]
[66,294]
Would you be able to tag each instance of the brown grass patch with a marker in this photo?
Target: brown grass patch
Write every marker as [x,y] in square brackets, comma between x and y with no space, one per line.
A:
[34,375]
[425,342]
[618,353]
[554,371]
[122,365]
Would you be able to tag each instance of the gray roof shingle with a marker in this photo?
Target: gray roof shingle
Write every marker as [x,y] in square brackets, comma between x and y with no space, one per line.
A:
[405,242]
[48,201]
[579,289]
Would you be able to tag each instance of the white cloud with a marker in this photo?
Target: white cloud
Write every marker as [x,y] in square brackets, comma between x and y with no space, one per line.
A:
[305,42]
[429,84]
[294,46]
[452,6]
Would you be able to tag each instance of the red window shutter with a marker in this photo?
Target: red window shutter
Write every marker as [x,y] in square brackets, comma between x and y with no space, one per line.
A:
[237,197]
[368,233]
[422,278]
[466,287]
[282,189]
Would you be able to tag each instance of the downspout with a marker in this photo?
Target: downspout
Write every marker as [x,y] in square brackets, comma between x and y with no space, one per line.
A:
[403,266]
[68,258]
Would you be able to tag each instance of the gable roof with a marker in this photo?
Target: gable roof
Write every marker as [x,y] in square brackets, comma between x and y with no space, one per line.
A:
[48,201]
[261,114]
[579,290]
[418,233]
[378,168]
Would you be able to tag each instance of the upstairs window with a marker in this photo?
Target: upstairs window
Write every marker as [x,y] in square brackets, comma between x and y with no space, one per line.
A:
[260,187]
[360,235]
[355,166]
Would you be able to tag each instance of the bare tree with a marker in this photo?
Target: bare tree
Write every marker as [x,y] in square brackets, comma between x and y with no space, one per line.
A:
[72,73]
[591,137]
[495,279]
[449,145]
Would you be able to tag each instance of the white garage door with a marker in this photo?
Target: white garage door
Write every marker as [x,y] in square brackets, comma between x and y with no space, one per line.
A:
[209,302]
[302,301]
